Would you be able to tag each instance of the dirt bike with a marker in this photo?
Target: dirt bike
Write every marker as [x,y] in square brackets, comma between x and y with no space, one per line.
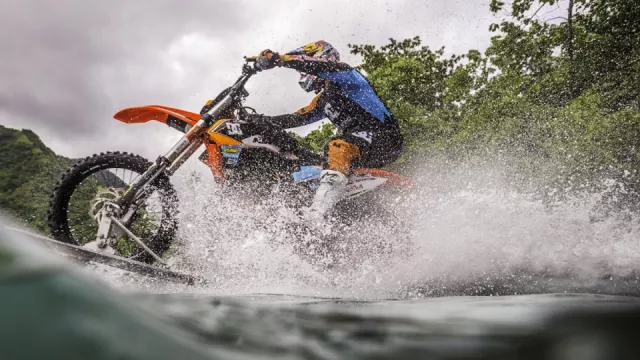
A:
[123,204]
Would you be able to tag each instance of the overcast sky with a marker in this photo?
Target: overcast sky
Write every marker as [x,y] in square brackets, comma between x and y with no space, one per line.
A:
[68,65]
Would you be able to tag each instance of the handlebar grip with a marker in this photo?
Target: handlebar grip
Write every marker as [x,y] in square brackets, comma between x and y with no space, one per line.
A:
[250,58]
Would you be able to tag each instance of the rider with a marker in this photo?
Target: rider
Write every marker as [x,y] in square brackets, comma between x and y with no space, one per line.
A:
[370,135]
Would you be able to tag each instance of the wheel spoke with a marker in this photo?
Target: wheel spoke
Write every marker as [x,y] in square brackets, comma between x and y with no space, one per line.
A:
[100,178]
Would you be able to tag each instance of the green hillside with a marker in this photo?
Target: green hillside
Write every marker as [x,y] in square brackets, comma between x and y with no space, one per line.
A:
[28,173]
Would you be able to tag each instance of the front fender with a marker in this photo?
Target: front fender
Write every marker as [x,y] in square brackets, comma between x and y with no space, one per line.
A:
[164,114]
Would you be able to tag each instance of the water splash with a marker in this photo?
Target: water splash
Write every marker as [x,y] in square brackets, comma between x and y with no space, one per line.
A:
[468,223]
[474,223]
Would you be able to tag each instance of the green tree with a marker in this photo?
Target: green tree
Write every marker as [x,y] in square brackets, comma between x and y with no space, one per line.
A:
[595,47]
[317,138]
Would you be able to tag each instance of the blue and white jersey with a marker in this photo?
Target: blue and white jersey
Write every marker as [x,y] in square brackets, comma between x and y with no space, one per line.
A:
[347,99]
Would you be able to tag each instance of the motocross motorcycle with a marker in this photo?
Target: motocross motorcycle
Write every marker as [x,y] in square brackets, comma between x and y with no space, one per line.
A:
[125,205]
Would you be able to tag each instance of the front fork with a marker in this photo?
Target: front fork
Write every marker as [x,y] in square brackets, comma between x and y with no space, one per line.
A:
[168,164]
[112,219]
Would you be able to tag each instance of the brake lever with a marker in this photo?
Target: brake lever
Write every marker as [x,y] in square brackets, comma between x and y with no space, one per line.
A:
[250,69]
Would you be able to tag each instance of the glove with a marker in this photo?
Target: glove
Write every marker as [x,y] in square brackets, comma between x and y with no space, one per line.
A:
[267,60]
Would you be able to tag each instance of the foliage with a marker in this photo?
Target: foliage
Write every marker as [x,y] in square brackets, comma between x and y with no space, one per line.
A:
[28,173]
[598,47]
[561,93]
[317,138]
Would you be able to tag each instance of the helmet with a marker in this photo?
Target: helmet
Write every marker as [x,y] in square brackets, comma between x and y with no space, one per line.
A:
[319,49]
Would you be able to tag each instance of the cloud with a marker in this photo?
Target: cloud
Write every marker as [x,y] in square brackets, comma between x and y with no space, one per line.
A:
[68,65]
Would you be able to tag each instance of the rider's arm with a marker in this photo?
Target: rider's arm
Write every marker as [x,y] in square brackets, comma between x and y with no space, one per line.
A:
[350,81]
[307,115]
[311,65]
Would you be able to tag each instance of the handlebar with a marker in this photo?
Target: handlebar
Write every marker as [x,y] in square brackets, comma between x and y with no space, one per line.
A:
[233,95]
[249,69]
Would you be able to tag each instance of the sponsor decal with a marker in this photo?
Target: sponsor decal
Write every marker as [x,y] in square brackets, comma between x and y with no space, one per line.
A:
[231,154]
[304,57]
[361,179]
[331,112]
[365,135]
[361,185]
[230,150]
[233,129]
[355,187]
[258,141]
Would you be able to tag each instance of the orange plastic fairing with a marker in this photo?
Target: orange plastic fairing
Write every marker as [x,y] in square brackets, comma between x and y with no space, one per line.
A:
[214,161]
[394,179]
[223,139]
[155,112]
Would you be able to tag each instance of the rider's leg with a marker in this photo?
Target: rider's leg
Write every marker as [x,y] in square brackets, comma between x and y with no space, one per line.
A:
[274,136]
[341,154]
[369,149]
[385,148]
[333,180]
[286,143]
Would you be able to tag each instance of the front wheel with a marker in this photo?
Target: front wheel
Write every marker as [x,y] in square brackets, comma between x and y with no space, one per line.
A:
[101,179]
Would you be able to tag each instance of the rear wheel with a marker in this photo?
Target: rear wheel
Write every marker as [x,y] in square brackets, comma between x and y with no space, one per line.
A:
[99,180]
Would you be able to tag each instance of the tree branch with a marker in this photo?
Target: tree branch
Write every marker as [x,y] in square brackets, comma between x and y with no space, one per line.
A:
[536,13]
[570,33]
[557,17]
[552,10]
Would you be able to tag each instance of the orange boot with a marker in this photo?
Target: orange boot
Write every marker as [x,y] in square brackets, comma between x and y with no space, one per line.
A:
[334,180]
